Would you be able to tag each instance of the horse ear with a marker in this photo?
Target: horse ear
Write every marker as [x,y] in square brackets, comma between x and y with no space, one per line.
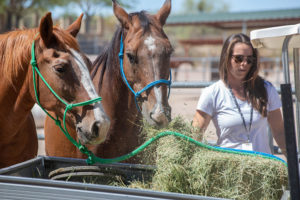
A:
[164,12]
[46,29]
[121,14]
[74,28]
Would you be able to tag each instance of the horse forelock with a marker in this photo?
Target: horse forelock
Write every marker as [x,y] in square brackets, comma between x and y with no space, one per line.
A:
[144,19]
[66,38]
[150,24]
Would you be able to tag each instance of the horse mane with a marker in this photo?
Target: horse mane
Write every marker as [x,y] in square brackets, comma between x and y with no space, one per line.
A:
[15,50]
[109,57]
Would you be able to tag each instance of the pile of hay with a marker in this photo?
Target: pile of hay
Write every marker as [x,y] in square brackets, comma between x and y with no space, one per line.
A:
[184,167]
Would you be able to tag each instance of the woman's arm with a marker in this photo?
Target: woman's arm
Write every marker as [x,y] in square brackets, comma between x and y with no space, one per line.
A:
[276,125]
[200,123]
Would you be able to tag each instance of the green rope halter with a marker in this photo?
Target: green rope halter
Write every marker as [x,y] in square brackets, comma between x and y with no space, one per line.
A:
[35,69]
[93,159]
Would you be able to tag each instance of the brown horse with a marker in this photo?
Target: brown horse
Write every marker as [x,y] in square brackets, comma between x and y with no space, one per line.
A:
[65,69]
[147,53]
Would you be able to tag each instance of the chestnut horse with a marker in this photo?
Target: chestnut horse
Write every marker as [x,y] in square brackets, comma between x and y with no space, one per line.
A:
[146,59]
[54,53]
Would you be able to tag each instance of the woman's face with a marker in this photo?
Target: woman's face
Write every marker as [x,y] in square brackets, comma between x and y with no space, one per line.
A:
[241,61]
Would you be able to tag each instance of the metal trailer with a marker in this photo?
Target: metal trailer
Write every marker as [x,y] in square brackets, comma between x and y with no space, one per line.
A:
[29,181]
[286,37]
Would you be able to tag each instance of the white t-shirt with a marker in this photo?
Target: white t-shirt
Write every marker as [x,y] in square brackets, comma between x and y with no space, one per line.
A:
[217,101]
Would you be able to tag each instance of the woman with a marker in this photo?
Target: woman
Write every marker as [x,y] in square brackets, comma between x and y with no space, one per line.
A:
[241,104]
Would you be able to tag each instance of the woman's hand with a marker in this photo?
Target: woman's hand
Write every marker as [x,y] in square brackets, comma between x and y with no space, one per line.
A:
[277,128]
[200,122]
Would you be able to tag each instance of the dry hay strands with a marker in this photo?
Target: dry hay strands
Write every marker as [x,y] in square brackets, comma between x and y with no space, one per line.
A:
[184,167]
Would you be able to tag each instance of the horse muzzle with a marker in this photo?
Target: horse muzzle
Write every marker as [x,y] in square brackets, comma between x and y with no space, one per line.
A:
[94,134]
[161,116]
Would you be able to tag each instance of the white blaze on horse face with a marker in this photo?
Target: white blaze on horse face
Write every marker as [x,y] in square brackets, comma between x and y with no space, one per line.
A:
[150,43]
[158,95]
[159,110]
[157,90]
[87,83]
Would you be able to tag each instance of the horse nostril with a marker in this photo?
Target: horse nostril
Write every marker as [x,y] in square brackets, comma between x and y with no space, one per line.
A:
[95,129]
[79,129]
[151,113]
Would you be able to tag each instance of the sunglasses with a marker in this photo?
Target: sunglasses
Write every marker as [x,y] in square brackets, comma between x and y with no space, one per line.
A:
[240,58]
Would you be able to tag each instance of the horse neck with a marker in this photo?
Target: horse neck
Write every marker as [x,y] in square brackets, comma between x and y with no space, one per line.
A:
[118,101]
[119,104]
[14,70]
[16,104]
[114,90]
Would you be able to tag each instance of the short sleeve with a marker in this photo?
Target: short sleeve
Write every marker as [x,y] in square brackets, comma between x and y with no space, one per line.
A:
[274,101]
[205,103]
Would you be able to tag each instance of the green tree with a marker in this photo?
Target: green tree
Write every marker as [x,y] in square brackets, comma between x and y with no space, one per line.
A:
[194,6]
[92,7]
[41,7]
[205,6]
[189,6]
[212,6]
[14,10]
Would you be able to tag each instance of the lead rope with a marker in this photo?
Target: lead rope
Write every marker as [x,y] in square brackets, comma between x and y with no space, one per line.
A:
[189,139]
[92,159]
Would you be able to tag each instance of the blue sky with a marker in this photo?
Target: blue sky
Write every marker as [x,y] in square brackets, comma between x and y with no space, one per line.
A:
[177,6]
[234,5]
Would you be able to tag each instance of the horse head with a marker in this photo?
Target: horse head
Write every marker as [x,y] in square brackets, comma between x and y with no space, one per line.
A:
[66,70]
[146,60]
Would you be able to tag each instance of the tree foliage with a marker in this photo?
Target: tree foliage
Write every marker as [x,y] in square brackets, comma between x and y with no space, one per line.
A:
[12,11]
[195,6]
[93,7]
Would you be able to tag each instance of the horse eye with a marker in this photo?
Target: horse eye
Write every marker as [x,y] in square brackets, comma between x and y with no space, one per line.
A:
[59,68]
[131,58]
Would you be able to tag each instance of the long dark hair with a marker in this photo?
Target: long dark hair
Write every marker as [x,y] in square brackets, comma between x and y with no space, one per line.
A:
[254,88]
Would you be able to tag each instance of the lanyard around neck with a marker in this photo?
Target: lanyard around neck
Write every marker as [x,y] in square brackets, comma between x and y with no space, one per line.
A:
[241,114]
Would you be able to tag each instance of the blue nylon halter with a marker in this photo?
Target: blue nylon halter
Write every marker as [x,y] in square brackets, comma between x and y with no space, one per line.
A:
[150,85]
